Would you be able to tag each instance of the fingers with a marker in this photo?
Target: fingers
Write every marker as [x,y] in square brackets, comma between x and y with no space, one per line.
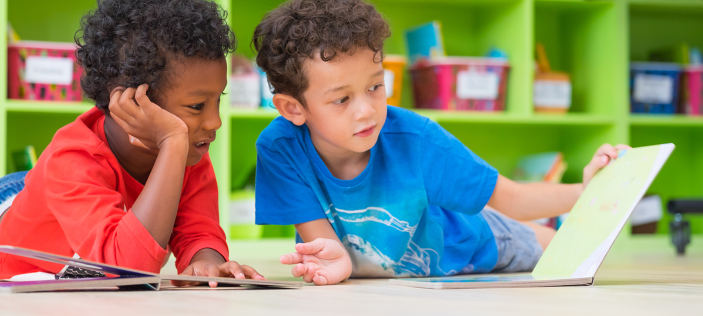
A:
[310,272]
[212,271]
[115,109]
[319,279]
[311,248]
[127,103]
[291,258]
[251,273]
[141,98]
[606,152]
[298,270]
[234,269]
[622,147]
[237,271]
[187,271]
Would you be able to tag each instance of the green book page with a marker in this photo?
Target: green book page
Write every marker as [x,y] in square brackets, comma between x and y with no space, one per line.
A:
[600,213]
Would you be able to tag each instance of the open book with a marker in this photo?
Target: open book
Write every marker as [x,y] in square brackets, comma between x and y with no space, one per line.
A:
[580,245]
[100,275]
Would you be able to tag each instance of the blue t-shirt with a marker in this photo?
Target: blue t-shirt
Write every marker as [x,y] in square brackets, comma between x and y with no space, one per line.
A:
[413,211]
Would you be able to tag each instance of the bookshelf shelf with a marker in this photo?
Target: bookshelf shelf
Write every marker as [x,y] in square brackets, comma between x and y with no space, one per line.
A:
[589,39]
[253,113]
[15,106]
[666,120]
[505,118]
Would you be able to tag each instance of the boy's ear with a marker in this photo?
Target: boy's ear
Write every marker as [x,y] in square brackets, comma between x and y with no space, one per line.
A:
[290,108]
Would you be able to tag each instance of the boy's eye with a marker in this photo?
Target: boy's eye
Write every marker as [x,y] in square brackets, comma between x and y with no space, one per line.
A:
[341,101]
[376,87]
[197,107]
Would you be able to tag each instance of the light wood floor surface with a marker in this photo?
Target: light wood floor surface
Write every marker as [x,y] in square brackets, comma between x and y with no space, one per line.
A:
[641,278]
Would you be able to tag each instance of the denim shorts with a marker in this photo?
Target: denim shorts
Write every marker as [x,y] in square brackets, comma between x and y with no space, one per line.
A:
[518,249]
[10,185]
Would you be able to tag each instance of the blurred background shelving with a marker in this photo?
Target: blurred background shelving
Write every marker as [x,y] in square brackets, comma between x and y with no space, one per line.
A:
[592,40]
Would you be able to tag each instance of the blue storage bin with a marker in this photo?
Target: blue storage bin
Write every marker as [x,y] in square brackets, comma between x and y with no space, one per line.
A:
[654,87]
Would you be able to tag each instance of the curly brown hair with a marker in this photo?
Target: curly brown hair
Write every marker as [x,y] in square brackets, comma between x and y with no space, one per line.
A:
[298,29]
[130,42]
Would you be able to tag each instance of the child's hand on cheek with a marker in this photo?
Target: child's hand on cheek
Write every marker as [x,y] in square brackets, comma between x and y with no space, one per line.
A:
[321,261]
[601,159]
[145,122]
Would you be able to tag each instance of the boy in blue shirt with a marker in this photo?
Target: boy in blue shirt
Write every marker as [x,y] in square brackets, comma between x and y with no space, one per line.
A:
[376,190]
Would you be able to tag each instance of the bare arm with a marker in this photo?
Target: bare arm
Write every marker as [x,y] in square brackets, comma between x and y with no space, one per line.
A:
[532,201]
[319,228]
[158,129]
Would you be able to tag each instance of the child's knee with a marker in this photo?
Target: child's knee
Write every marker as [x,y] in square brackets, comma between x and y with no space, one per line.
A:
[543,234]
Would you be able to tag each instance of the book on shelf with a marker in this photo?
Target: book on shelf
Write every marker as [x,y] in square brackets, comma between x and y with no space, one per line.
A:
[24,159]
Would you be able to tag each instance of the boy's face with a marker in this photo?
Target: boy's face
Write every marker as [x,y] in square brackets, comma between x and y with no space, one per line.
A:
[346,103]
[194,96]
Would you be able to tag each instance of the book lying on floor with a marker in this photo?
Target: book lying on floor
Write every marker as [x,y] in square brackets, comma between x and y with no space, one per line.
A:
[86,274]
[579,247]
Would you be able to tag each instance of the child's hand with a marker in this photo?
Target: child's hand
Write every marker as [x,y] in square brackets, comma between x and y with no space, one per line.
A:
[322,261]
[603,155]
[230,269]
[145,122]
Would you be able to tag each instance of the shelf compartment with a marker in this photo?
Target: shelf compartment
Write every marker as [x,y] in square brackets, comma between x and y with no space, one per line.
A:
[47,20]
[682,175]
[33,128]
[659,24]
[585,40]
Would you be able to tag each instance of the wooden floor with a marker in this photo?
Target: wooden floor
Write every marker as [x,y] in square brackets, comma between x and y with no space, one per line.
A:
[639,277]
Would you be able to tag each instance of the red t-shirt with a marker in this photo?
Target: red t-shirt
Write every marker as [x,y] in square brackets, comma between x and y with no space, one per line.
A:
[78,200]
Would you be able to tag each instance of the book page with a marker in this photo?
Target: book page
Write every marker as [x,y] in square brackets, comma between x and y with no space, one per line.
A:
[600,213]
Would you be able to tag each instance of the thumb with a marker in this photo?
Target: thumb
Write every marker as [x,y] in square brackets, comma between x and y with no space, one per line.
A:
[311,248]
[320,278]
[187,271]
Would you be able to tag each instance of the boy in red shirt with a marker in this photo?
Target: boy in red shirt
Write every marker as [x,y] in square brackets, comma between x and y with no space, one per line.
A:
[132,176]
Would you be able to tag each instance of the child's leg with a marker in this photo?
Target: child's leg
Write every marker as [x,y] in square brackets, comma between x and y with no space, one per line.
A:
[544,234]
[519,245]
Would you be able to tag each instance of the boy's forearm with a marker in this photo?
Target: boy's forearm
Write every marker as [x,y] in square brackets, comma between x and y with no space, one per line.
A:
[320,228]
[543,200]
[530,201]
[157,205]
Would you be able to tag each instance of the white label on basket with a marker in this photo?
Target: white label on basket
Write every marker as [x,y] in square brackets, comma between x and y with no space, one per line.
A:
[653,89]
[552,94]
[477,85]
[242,211]
[244,91]
[48,70]
[388,79]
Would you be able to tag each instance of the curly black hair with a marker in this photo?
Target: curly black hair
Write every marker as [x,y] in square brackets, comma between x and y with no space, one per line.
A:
[298,29]
[131,42]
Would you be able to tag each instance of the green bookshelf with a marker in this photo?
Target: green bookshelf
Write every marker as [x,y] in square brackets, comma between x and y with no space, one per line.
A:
[592,40]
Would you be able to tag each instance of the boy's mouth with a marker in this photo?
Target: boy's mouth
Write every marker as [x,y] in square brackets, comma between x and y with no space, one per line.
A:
[366,131]
[202,147]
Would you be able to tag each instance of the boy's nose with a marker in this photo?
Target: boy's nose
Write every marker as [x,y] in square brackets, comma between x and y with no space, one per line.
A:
[213,121]
[366,109]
